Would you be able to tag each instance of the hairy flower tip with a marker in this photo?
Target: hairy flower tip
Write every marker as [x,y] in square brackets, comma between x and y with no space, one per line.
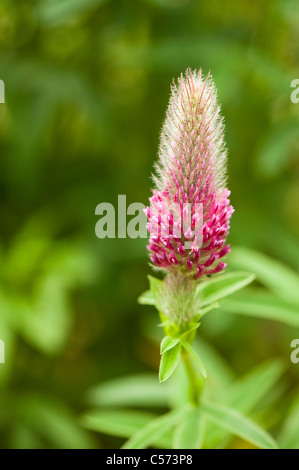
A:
[189,213]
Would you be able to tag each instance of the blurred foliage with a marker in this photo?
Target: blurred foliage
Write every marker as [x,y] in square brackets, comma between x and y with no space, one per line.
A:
[86,88]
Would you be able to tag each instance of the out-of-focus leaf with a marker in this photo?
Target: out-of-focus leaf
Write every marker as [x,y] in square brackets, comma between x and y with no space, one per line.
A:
[289,437]
[180,387]
[220,372]
[44,323]
[236,423]
[24,257]
[168,3]
[279,278]
[48,322]
[261,304]
[43,318]
[7,344]
[189,434]
[122,423]
[156,428]
[54,421]
[284,243]
[72,264]
[133,390]
[220,286]
[56,12]
[245,394]
[23,438]
[276,148]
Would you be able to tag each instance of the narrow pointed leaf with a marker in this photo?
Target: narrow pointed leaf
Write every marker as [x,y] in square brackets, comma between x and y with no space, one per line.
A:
[195,357]
[245,394]
[279,278]
[289,438]
[261,304]
[169,361]
[122,423]
[156,287]
[131,390]
[146,436]
[238,424]
[222,285]
[146,298]
[193,328]
[168,343]
[189,434]
[208,308]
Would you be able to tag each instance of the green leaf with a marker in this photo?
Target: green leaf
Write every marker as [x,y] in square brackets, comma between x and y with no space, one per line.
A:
[276,147]
[279,278]
[48,322]
[25,254]
[146,298]
[52,420]
[238,424]
[156,287]
[122,423]
[189,434]
[152,431]
[22,437]
[246,393]
[289,438]
[261,304]
[132,390]
[168,343]
[220,286]
[195,357]
[220,372]
[193,327]
[208,308]
[169,361]
[8,348]
[56,12]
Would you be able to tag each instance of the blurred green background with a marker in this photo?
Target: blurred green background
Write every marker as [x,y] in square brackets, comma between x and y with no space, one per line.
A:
[86,88]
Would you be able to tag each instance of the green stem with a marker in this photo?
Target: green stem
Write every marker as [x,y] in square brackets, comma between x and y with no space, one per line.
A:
[194,384]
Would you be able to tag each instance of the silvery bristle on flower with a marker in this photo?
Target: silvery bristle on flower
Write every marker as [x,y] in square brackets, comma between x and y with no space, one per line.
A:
[188,219]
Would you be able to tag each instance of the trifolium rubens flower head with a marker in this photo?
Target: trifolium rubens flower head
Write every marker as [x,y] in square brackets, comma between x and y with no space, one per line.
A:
[189,212]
